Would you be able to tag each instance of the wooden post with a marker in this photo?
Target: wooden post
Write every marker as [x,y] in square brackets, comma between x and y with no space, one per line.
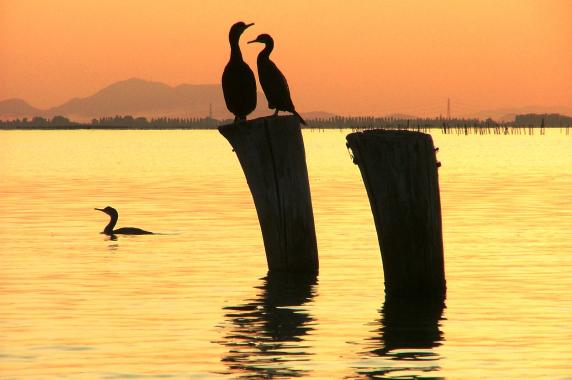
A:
[399,169]
[271,153]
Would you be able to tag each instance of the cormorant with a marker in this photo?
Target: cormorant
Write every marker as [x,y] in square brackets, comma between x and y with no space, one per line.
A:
[123,231]
[272,80]
[238,83]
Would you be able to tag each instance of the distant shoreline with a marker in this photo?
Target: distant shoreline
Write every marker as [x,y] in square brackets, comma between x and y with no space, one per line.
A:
[118,123]
[99,127]
[309,127]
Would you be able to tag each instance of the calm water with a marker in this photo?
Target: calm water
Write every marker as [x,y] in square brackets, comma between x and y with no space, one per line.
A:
[196,302]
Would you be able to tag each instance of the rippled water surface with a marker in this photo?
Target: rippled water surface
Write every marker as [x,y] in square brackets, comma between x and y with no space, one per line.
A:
[195,301]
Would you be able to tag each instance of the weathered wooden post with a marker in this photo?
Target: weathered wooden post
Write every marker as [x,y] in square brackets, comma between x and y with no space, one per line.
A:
[271,153]
[399,169]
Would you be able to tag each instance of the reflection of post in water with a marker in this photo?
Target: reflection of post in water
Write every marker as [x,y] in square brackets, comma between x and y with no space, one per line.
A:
[404,339]
[265,334]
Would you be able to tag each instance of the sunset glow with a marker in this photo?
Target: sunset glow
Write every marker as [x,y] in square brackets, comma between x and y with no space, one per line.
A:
[301,189]
[368,58]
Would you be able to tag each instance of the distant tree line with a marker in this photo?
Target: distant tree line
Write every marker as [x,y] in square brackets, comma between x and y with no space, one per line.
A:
[159,123]
[113,122]
[37,121]
[549,120]
[335,122]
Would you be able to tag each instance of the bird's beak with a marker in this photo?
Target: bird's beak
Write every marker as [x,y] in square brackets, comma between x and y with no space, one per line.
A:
[98,209]
[248,25]
[256,40]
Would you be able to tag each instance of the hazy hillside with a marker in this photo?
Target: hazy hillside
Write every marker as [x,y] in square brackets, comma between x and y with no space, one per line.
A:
[17,108]
[137,97]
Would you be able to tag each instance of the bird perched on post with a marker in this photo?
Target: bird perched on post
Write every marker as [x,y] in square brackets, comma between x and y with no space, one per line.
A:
[238,83]
[272,80]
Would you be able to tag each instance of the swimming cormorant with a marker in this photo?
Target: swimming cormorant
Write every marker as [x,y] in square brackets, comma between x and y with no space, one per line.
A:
[120,231]
[272,80]
[238,83]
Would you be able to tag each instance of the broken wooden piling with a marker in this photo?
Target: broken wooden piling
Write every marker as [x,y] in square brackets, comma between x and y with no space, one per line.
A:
[271,153]
[399,169]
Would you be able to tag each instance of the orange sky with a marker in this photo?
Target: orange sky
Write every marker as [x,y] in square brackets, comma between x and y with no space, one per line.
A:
[365,57]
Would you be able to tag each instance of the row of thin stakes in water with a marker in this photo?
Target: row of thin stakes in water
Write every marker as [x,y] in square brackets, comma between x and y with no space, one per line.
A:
[458,129]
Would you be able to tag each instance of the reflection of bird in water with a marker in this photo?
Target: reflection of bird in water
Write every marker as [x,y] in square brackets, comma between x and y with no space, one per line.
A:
[120,231]
[238,83]
[272,80]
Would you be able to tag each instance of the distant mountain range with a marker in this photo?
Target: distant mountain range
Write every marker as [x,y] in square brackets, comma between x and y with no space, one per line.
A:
[138,97]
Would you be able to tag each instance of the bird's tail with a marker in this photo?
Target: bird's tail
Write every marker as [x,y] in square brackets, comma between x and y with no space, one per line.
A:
[300,117]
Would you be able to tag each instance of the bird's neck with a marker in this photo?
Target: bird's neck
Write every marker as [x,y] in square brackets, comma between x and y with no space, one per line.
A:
[268,47]
[235,52]
[112,222]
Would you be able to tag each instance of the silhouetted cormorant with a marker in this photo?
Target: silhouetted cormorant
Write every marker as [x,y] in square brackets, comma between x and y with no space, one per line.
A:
[272,80]
[123,231]
[238,83]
